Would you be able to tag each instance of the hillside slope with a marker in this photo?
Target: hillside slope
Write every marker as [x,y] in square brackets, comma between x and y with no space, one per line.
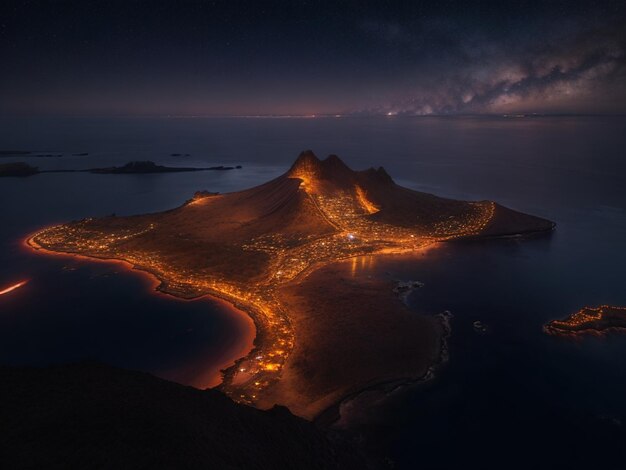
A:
[95,416]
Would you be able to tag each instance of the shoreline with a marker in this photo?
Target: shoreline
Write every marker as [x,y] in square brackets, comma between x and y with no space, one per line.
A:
[578,335]
[331,417]
[155,286]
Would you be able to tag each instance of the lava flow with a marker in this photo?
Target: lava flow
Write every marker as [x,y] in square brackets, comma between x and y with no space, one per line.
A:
[13,287]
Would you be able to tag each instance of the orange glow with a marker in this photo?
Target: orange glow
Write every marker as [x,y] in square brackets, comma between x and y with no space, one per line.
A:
[586,315]
[13,287]
[353,265]
[356,236]
[594,320]
[365,203]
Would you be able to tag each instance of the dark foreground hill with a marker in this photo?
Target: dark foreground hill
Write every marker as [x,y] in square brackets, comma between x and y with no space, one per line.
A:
[95,416]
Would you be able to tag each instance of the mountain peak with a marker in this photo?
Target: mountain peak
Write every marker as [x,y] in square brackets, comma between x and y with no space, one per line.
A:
[306,159]
[383,175]
[334,164]
[375,176]
[308,166]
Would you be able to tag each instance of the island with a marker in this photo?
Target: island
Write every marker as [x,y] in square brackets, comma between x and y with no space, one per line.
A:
[282,252]
[12,153]
[28,153]
[137,167]
[151,167]
[590,321]
[17,169]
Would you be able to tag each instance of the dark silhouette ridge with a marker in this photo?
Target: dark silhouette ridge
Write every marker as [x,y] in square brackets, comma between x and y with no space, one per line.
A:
[17,169]
[94,416]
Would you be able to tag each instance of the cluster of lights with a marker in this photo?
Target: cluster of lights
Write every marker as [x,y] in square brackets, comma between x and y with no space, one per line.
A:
[356,235]
[589,319]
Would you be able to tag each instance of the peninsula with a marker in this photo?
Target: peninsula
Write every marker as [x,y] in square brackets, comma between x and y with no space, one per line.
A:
[590,320]
[276,251]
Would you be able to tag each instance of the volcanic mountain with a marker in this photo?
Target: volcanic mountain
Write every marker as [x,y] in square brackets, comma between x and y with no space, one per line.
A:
[246,246]
[233,236]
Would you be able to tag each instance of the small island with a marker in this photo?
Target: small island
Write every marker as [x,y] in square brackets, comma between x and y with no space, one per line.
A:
[96,416]
[151,167]
[131,168]
[590,320]
[28,153]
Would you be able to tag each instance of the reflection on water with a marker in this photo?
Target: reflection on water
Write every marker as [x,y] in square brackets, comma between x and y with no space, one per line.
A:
[361,263]
[511,387]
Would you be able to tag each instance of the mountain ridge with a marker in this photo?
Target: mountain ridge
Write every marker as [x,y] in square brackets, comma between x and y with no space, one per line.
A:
[97,416]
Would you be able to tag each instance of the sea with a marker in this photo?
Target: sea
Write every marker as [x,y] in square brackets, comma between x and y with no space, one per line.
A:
[508,397]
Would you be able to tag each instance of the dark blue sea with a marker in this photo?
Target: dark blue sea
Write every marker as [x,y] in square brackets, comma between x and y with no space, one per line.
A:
[509,397]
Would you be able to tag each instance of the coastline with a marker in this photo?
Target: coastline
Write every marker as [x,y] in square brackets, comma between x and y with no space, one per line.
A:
[333,416]
[595,321]
[358,336]
[245,345]
[578,335]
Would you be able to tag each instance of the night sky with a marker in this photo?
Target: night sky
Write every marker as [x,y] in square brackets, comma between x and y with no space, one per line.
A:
[157,58]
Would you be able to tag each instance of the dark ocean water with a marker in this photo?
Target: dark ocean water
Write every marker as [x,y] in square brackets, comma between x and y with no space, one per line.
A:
[510,397]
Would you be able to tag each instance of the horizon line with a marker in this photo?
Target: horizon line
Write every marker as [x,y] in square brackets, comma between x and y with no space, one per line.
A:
[314,115]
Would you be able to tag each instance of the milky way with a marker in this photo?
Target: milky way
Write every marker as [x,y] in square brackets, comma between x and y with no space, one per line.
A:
[581,66]
[312,57]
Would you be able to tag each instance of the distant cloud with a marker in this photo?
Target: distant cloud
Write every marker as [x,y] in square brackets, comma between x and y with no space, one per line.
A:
[463,71]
